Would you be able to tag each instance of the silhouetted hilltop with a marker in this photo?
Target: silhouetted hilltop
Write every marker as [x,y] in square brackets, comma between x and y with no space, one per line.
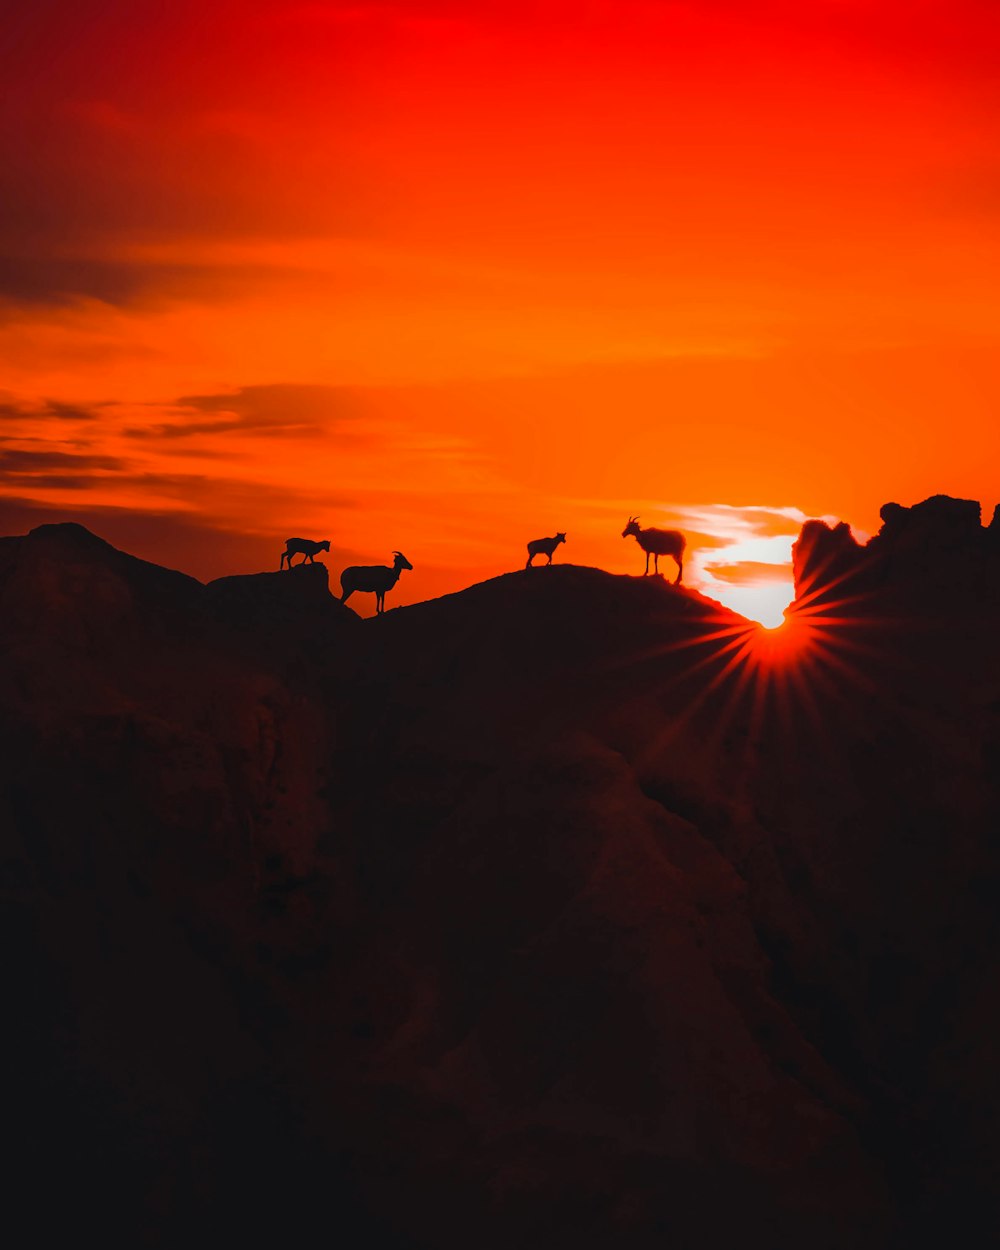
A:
[525,629]
[63,581]
[289,615]
[568,909]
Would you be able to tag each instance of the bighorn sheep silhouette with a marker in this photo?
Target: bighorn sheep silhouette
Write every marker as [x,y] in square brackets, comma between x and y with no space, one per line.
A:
[658,543]
[304,547]
[543,547]
[376,578]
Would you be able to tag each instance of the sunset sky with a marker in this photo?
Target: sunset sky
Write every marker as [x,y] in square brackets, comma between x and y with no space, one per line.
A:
[448,276]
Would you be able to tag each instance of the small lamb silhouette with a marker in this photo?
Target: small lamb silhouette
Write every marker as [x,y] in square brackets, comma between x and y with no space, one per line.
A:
[543,547]
[304,547]
[658,543]
[376,578]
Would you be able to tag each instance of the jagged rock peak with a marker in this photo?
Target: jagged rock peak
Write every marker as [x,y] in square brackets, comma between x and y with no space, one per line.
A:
[941,534]
[940,515]
[70,532]
[296,600]
[823,553]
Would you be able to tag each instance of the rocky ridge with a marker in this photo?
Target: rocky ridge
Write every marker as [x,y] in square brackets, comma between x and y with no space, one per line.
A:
[567,908]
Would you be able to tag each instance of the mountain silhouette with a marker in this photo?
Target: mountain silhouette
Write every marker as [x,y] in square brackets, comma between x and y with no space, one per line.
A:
[567,909]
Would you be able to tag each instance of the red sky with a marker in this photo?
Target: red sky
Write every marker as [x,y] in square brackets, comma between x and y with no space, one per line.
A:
[449,276]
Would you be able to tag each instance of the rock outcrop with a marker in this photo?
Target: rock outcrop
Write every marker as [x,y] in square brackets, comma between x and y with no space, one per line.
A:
[932,559]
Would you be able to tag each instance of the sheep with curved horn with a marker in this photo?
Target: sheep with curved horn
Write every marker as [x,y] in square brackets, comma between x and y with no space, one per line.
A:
[658,543]
[375,578]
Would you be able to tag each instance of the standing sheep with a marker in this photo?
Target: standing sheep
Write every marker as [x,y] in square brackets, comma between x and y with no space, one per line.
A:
[543,547]
[376,578]
[304,547]
[658,543]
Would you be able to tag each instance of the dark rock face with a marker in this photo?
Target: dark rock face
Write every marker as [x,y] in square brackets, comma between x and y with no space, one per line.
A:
[939,519]
[566,910]
[939,541]
[824,558]
[933,559]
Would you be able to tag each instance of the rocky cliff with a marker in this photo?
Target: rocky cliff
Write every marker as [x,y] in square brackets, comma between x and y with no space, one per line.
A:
[567,909]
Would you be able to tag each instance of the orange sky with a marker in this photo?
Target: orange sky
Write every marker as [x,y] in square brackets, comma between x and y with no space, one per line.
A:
[448,276]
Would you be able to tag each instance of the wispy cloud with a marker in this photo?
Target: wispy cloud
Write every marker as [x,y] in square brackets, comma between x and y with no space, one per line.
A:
[15,462]
[282,409]
[14,409]
[745,521]
[749,572]
[39,279]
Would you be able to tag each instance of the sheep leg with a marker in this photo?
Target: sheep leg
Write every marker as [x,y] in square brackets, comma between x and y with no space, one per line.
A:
[646,574]
[680,570]
[550,557]
[530,558]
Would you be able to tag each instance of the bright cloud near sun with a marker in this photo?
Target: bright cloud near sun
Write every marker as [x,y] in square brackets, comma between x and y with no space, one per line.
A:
[751,570]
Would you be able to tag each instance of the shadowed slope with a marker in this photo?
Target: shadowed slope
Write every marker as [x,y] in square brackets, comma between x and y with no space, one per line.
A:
[572,991]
